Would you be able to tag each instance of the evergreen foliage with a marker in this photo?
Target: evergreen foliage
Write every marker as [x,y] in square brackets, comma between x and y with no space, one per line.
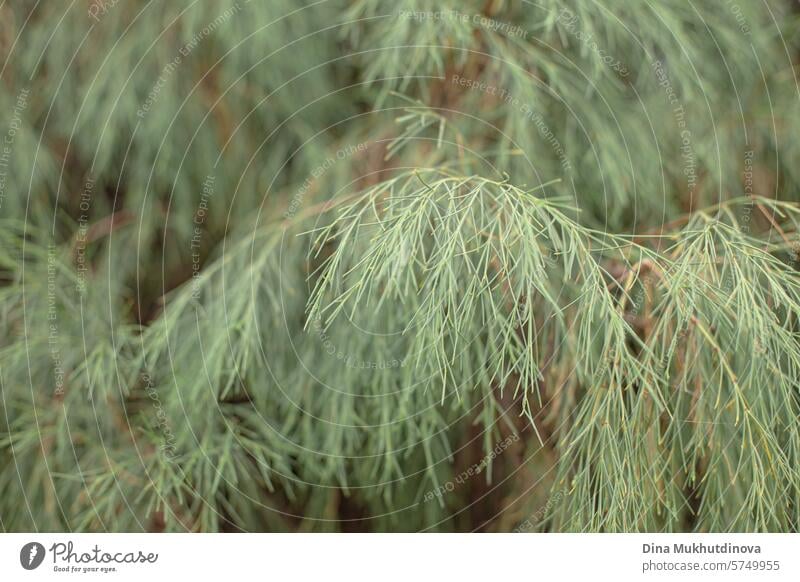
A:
[373,265]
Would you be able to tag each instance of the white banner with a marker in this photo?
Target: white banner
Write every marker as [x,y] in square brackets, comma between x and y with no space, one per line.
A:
[400,557]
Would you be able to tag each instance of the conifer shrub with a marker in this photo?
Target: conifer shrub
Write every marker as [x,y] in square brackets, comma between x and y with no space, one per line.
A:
[371,265]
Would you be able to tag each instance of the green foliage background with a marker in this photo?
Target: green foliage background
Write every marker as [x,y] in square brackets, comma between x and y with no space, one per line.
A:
[396,266]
